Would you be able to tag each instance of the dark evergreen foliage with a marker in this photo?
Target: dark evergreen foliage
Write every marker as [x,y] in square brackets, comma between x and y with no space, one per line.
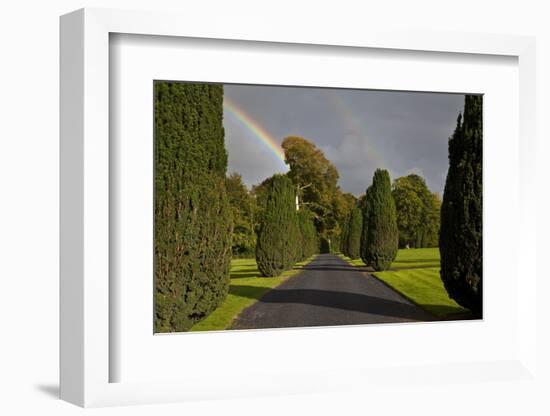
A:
[192,216]
[381,232]
[363,204]
[309,244]
[324,245]
[460,239]
[344,236]
[278,240]
[335,243]
[353,235]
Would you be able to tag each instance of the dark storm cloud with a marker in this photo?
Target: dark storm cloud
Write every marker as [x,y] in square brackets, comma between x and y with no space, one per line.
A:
[358,130]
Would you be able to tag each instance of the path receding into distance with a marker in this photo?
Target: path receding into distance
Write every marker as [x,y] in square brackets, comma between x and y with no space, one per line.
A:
[329,291]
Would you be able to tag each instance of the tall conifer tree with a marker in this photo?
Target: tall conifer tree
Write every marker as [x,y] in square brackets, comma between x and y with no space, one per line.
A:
[353,235]
[309,242]
[380,247]
[344,236]
[364,205]
[278,241]
[193,224]
[460,239]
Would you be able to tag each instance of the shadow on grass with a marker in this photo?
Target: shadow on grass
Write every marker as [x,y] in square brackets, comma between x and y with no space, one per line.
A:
[250,273]
[244,274]
[409,264]
[424,266]
[398,265]
[245,291]
[426,260]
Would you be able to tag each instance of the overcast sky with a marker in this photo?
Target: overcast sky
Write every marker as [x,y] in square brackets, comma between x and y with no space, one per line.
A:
[358,130]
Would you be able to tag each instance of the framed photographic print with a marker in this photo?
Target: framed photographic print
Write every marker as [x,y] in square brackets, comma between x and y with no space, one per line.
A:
[290,238]
[273,214]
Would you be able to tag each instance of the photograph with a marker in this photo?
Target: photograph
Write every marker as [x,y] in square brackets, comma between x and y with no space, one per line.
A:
[290,206]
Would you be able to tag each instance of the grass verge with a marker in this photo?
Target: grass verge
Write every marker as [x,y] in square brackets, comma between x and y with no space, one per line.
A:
[246,288]
[415,274]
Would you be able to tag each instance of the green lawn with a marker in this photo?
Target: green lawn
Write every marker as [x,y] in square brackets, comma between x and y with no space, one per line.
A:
[247,286]
[415,274]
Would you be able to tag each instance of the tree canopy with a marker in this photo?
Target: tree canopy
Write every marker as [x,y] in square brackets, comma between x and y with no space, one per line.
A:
[417,212]
[243,209]
[315,178]
[316,181]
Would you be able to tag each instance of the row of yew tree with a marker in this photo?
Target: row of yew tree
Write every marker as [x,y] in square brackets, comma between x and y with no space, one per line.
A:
[193,221]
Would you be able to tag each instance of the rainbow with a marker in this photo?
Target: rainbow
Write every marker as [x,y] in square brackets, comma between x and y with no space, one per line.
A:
[254,127]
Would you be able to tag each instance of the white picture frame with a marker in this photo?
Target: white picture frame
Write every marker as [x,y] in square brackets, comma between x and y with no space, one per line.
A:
[85,354]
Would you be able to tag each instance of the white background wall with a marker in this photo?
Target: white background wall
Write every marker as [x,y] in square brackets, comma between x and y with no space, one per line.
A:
[29,205]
